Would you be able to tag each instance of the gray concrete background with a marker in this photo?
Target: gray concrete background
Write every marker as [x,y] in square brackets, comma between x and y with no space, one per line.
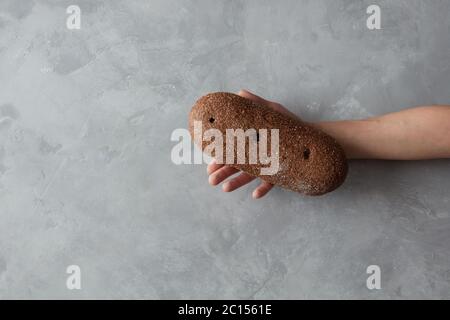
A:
[85,170]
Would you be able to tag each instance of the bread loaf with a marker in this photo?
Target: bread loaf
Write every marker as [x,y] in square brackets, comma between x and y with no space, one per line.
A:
[310,161]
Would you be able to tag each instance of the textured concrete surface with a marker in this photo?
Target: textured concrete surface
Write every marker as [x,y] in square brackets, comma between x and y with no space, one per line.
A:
[85,170]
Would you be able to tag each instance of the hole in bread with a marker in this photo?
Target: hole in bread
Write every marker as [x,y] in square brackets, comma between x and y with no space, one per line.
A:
[257,137]
[306,153]
[211,120]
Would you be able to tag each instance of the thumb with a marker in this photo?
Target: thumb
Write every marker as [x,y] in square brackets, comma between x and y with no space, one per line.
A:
[248,95]
[273,105]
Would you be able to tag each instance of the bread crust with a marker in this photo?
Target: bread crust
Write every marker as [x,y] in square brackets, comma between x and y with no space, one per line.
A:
[310,161]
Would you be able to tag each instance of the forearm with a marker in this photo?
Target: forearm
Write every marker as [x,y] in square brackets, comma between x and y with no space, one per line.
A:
[411,134]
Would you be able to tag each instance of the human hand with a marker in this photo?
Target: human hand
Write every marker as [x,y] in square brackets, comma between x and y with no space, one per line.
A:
[220,172]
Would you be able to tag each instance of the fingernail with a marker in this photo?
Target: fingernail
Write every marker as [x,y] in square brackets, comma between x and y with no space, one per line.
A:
[255,194]
[211,180]
[226,187]
[208,168]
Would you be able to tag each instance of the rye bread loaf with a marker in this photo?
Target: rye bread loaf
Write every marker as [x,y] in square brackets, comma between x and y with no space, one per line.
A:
[310,161]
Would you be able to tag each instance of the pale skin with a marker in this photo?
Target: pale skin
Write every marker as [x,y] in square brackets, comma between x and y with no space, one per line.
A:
[418,133]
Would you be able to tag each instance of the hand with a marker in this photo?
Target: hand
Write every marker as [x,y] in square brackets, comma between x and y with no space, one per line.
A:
[220,172]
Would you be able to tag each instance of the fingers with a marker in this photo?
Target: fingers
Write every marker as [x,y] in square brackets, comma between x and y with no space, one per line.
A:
[274,105]
[221,174]
[237,182]
[248,95]
[262,190]
[213,167]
